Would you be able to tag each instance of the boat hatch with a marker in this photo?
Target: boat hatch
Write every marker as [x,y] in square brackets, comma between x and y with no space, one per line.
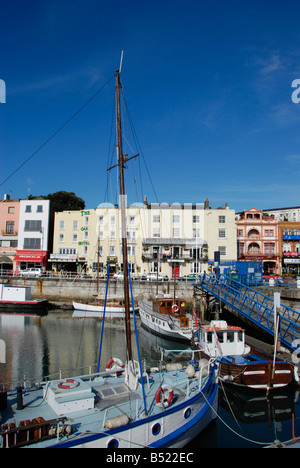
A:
[107,395]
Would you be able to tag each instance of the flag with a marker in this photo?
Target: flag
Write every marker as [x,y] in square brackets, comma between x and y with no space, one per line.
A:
[195,318]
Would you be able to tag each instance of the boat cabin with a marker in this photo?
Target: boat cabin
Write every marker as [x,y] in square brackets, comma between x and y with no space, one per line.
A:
[177,309]
[167,305]
[219,339]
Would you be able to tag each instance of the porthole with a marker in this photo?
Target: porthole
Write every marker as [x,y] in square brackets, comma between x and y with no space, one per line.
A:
[156,429]
[113,443]
[187,413]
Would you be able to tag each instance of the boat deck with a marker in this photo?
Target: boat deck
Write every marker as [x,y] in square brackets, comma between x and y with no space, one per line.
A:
[245,360]
[90,405]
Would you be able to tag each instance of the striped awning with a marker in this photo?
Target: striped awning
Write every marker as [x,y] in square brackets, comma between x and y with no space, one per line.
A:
[6,260]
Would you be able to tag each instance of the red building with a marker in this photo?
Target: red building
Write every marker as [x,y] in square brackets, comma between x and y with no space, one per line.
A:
[257,238]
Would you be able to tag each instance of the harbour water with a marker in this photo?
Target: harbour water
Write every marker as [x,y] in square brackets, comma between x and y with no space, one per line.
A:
[37,347]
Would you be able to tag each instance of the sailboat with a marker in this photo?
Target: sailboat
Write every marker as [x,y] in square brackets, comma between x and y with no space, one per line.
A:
[126,405]
[96,309]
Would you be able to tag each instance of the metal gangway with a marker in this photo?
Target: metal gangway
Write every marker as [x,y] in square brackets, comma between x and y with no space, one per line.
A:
[256,307]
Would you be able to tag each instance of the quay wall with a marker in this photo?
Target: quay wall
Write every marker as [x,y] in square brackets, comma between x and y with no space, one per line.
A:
[65,290]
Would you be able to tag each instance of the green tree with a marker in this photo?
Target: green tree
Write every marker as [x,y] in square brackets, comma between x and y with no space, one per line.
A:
[65,201]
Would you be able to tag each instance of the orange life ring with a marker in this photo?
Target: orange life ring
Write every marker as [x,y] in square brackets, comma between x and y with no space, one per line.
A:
[175,308]
[68,384]
[115,363]
[158,396]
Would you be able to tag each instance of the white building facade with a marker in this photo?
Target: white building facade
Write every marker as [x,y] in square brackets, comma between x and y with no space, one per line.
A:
[33,236]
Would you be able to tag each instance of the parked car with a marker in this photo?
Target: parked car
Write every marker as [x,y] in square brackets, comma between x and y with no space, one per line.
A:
[31,272]
[119,275]
[189,278]
[278,279]
[153,277]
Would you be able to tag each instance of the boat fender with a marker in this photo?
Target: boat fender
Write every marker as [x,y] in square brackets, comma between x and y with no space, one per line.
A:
[190,371]
[175,308]
[115,364]
[202,363]
[68,384]
[173,366]
[228,378]
[159,399]
[118,421]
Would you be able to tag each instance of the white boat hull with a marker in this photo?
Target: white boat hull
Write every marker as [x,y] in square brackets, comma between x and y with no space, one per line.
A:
[96,311]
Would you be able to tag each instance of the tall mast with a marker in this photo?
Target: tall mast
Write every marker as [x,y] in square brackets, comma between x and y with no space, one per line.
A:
[123,217]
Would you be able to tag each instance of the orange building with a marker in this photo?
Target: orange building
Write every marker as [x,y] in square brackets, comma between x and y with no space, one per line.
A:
[257,239]
[9,227]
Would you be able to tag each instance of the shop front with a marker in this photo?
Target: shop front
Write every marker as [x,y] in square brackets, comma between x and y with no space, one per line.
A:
[291,263]
[30,259]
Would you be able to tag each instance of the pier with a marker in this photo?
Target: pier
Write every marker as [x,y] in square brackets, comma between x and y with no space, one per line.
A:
[255,306]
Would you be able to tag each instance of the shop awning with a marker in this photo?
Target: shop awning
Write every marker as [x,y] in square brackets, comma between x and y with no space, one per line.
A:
[29,258]
[6,260]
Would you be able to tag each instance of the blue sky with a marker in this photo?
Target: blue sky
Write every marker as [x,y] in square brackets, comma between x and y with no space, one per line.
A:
[207,84]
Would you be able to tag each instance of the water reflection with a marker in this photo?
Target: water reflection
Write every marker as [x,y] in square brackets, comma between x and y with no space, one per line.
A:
[40,346]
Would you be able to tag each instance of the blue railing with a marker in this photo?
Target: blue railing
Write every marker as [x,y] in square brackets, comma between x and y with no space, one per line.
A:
[255,306]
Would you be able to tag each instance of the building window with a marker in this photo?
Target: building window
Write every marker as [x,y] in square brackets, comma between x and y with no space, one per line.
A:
[196,233]
[222,233]
[39,209]
[222,219]
[196,219]
[101,220]
[33,226]
[75,238]
[176,232]
[253,249]
[61,238]
[86,220]
[156,232]
[269,248]
[10,227]
[112,220]
[176,219]
[61,225]
[222,250]
[75,225]
[28,209]
[11,209]
[32,244]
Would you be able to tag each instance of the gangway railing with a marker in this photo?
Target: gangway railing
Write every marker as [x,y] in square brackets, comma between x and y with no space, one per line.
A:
[255,306]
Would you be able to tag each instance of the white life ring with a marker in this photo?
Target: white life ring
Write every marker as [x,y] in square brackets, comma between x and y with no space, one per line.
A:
[115,364]
[67,384]
[175,308]
[161,402]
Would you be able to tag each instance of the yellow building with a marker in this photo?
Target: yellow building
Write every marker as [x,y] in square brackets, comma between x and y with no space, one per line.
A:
[175,238]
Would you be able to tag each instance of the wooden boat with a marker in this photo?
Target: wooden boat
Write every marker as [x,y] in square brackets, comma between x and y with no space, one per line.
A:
[239,363]
[167,318]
